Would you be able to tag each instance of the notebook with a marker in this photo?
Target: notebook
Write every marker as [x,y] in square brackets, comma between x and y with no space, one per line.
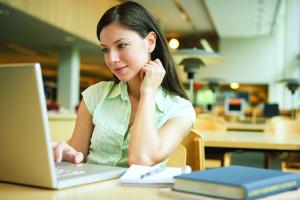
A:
[155,176]
[237,182]
[25,141]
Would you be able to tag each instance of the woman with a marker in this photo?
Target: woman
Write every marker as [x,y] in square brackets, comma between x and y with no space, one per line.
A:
[143,115]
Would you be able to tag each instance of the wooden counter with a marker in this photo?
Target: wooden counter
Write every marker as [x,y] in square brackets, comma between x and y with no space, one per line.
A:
[61,126]
[109,190]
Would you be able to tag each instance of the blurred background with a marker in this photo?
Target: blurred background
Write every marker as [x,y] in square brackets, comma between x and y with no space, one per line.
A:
[237,59]
[257,40]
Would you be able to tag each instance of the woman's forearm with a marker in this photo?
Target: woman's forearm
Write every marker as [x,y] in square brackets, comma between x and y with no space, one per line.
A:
[144,139]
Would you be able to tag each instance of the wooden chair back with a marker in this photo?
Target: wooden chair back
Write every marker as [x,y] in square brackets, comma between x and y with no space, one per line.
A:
[210,123]
[178,158]
[282,125]
[189,152]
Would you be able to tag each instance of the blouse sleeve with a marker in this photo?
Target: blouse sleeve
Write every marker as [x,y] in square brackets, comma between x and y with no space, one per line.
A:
[183,108]
[94,94]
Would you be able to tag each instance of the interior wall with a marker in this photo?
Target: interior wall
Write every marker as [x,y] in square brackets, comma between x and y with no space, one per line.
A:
[80,17]
[246,61]
[264,60]
[292,47]
[288,30]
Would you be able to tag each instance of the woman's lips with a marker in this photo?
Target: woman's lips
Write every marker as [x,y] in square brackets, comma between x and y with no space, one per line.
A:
[120,70]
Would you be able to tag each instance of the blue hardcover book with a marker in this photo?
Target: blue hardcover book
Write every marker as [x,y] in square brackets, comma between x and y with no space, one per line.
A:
[237,182]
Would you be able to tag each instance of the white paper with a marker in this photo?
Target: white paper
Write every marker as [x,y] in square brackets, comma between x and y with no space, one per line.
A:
[164,177]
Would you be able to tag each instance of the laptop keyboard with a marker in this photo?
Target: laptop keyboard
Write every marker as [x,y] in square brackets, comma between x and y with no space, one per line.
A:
[60,172]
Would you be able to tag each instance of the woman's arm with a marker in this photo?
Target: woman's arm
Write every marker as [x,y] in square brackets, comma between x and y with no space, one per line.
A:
[83,130]
[76,149]
[147,145]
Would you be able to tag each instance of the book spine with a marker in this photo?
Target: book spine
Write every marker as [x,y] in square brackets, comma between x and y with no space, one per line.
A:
[272,189]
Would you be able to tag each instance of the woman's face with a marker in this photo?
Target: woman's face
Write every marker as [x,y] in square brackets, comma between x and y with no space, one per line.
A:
[125,51]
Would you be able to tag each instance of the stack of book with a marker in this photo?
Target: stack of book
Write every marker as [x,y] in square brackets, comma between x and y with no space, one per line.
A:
[234,182]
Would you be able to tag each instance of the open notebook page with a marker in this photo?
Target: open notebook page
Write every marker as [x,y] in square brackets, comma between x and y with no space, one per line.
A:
[163,177]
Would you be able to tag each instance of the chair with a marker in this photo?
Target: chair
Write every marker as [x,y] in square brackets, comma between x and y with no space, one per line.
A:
[178,158]
[283,125]
[276,125]
[210,123]
[271,109]
[189,152]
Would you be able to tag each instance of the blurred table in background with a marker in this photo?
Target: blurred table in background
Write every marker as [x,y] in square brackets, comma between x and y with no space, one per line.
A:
[235,123]
[252,140]
[61,126]
[240,126]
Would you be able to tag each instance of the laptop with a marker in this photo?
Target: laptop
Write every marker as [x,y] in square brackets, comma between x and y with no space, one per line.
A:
[25,141]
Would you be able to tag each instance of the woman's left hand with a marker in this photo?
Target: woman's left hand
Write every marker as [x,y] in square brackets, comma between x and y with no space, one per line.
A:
[152,75]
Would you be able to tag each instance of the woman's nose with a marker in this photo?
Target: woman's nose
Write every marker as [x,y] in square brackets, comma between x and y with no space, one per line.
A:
[113,57]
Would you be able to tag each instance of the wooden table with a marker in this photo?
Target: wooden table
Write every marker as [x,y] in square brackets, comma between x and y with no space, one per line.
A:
[107,190]
[252,140]
[239,126]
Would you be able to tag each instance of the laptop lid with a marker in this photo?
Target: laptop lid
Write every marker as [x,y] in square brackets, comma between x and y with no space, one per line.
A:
[25,143]
[26,154]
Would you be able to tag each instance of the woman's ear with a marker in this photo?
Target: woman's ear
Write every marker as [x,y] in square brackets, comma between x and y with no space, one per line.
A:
[151,41]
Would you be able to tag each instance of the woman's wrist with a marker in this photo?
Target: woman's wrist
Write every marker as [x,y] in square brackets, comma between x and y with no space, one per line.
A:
[148,93]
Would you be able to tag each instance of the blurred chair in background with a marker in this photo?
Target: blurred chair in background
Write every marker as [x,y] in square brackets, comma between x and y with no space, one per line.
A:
[178,158]
[209,123]
[292,84]
[189,152]
[199,109]
[283,125]
[276,124]
[219,110]
[271,109]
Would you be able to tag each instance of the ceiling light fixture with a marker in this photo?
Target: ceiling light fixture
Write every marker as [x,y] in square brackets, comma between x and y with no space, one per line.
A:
[234,85]
[206,57]
[206,46]
[174,43]
[192,60]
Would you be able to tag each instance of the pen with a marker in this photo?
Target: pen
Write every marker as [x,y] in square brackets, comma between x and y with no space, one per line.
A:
[152,172]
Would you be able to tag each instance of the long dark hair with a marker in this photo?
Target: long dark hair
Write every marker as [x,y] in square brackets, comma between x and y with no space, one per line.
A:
[135,17]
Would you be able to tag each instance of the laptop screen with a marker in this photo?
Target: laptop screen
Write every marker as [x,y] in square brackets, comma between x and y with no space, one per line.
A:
[25,144]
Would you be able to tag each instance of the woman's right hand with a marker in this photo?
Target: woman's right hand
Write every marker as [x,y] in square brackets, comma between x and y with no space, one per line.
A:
[152,75]
[64,152]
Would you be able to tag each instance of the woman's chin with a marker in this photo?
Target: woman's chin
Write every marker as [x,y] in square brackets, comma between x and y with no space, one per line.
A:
[127,77]
[123,79]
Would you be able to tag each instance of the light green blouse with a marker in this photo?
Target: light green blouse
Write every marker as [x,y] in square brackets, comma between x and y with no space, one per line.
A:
[110,108]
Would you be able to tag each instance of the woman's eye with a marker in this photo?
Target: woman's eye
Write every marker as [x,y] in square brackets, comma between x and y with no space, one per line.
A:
[122,46]
[105,50]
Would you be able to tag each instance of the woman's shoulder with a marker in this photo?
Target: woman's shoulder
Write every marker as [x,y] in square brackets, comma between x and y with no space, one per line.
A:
[176,99]
[174,102]
[102,86]
[96,93]
[178,106]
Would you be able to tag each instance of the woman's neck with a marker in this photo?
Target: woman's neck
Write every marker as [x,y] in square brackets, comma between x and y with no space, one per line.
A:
[134,87]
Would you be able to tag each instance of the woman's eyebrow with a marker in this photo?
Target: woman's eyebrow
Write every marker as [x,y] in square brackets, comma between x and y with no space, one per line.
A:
[114,42]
